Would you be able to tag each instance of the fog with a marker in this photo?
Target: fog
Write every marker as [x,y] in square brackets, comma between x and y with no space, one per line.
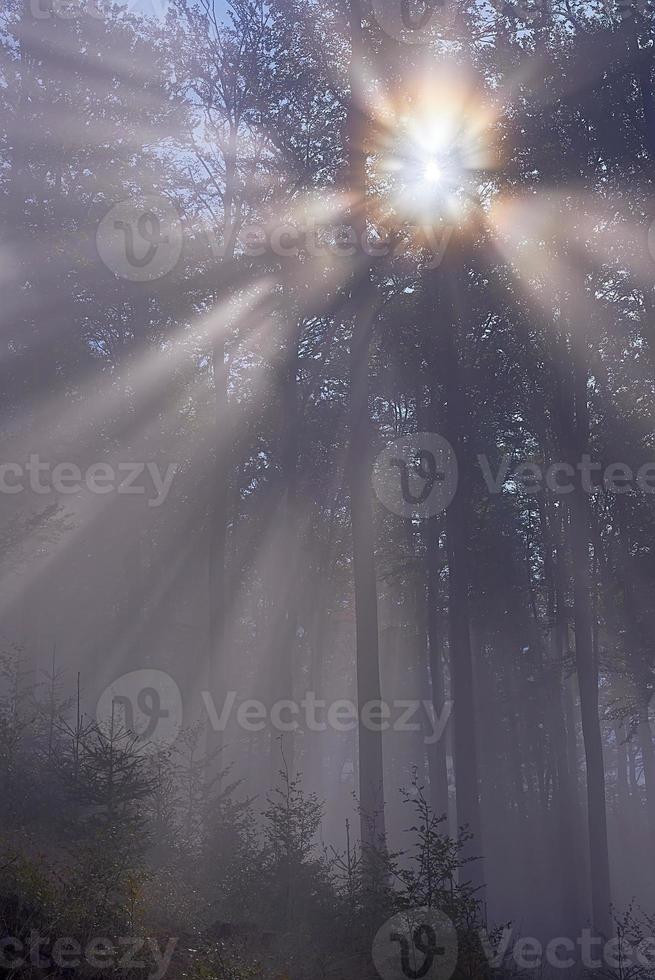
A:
[326,488]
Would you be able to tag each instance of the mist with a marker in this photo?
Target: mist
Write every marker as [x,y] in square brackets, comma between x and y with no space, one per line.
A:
[327,486]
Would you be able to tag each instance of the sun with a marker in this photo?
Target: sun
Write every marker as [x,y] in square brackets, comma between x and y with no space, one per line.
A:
[432,173]
[433,142]
[421,171]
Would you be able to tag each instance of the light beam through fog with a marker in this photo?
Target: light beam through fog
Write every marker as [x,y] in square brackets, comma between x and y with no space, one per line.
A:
[327,489]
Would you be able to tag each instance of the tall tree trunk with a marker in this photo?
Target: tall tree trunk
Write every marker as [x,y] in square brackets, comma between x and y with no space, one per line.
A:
[638,643]
[284,645]
[645,736]
[371,782]
[437,762]
[566,796]
[428,418]
[467,790]
[575,430]
[217,539]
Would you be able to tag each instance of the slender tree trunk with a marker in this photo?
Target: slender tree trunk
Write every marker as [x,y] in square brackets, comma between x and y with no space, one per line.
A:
[624,810]
[286,614]
[565,802]
[314,761]
[645,736]
[638,644]
[461,660]
[622,788]
[437,758]
[437,762]
[371,782]
[371,786]
[218,517]
[575,429]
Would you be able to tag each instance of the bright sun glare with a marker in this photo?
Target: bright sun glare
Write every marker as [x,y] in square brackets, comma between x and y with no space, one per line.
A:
[432,144]
[432,172]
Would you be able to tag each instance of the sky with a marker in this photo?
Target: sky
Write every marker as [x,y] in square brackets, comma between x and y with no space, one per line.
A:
[153,8]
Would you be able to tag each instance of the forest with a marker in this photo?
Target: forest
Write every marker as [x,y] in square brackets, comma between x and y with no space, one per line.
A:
[357,297]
